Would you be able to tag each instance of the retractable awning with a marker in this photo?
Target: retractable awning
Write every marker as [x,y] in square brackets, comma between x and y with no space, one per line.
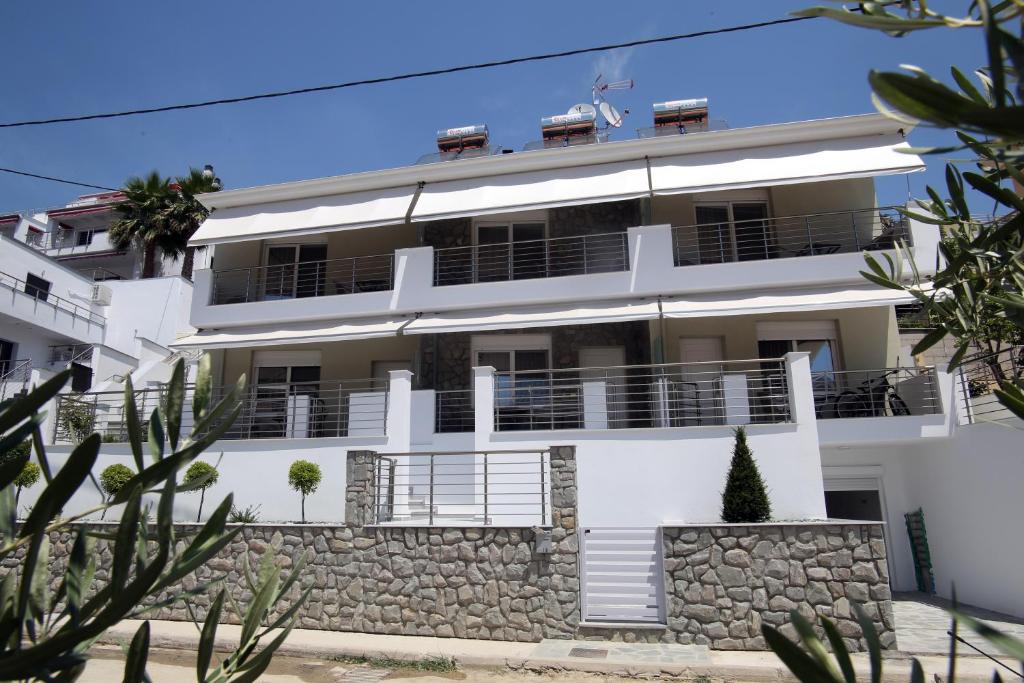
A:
[802,162]
[782,301]
[263,335]
[535,190]
[306,216]
[548,316]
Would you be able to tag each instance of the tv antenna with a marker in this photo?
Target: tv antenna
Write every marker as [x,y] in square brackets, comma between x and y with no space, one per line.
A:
[612,117]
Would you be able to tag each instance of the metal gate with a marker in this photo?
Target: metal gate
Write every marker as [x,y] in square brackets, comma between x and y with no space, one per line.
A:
[622,575]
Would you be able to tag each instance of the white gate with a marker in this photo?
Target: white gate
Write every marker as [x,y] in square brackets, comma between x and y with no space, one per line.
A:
[622,575]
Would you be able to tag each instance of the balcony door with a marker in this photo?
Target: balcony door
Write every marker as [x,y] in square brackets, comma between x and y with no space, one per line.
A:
[696,399]
[522,394]
[819,340]
[732,231]
[6,356]
[286,395]
[510,251]
[295,271]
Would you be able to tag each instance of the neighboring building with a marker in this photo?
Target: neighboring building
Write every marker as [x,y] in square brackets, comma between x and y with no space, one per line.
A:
[636,300]
[55,315]
[76,235]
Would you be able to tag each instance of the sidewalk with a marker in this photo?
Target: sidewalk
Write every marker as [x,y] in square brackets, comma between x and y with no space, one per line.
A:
[548,655]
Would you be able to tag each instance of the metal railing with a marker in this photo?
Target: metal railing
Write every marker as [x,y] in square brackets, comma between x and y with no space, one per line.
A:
[789,236]
[643,396]
[65,354]
[453,411]
[306,279]
[886,392]
[15,376]
[530,259]
[980,376]
[696,127]
[100,274]
[913,317]
[20,287]
[503,488]
[297,410]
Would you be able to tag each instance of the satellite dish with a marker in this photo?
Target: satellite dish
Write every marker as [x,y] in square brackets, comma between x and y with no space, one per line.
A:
[582,108]
[610,114]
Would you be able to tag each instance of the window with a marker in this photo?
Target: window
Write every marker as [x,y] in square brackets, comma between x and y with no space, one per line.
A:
[516,358]
[295,271]
[37,287]
[83,238]
[510,251]
[817,338]
[733,231]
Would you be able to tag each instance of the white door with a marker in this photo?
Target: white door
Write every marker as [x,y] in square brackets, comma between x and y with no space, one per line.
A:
[698,398]
[604,390]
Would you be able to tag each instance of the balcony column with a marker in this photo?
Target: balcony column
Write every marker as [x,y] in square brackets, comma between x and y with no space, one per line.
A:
[399,413]
[801,391]
[483,402]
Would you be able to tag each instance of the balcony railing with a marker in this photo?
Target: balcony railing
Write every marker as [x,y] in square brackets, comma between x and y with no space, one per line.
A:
[643,396]
[888,392]
[47,298]
[453,411]
[789,236]
[306,279]
[15,376]
[297,410]
[509,488]
[530,259]
[981,375]
[64,354]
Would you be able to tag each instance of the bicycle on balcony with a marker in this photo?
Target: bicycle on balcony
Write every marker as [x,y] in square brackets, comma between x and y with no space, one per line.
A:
[870,399]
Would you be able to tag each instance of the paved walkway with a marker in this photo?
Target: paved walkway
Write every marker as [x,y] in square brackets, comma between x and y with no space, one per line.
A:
[548,655]
[922,625]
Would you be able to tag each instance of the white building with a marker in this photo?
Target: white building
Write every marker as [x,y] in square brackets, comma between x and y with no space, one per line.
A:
[636,299]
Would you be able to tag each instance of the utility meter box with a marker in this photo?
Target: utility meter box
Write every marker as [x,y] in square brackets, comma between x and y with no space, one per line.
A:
[541,541]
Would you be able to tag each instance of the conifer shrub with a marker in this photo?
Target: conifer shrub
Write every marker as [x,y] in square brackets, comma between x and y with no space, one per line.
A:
[745,498]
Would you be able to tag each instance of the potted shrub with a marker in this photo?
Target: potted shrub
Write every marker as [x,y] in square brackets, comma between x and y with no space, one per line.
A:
[201,476]
[304,477]
[745,498]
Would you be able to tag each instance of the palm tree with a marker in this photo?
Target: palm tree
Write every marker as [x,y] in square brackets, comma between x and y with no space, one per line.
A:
[186,213]
[142,223]
[160,215]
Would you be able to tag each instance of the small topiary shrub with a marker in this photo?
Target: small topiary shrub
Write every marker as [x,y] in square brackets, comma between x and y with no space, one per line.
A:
[745,498]
[25,480]
[201,475]
[304,477]
[112,480]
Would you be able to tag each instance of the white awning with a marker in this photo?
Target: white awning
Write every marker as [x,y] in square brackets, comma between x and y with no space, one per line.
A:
[535,190]
[307,333]
[305,216]
[782,301]
[783,164]
[548,316]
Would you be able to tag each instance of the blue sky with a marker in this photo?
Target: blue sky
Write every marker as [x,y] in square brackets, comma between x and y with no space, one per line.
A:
[68,58]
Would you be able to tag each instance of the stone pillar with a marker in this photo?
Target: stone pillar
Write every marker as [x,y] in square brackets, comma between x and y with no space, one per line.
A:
[563,488]
[359,488]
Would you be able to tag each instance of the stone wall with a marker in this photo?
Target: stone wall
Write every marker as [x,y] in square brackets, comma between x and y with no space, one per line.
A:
[449,582]
[722,582]
[453,364]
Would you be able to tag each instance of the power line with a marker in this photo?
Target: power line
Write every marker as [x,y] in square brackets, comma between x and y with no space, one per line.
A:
[56,180]
[407,76]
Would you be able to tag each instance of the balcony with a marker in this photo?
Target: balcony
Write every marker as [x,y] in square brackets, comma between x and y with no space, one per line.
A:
[789,236]
[304,280]
[530,259]
[643,396]
[889,392]
[60,243]
[296,410]
[793,252]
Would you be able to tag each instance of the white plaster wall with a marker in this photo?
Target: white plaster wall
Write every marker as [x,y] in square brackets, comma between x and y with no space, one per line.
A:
[969,488]
[256,471]
[152,308]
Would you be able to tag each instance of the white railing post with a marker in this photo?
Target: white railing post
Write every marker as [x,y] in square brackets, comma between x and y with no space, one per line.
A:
[399,413]
[483,403]
[801,391]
